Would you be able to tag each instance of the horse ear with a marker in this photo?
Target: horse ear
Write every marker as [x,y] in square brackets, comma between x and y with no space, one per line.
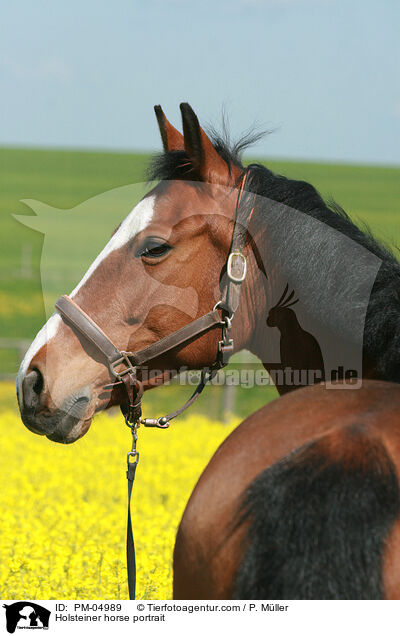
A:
[171,137]
[205,159]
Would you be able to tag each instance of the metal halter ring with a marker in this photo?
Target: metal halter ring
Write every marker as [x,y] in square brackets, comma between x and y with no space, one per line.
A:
[228,322]
[219,304]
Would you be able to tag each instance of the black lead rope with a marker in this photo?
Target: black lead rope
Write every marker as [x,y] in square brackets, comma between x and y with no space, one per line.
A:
[132,461]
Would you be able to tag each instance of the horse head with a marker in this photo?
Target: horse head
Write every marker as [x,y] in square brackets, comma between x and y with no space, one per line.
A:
[161,269]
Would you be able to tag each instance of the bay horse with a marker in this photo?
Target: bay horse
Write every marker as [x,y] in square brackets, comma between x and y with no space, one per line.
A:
[301,501]
[166,265]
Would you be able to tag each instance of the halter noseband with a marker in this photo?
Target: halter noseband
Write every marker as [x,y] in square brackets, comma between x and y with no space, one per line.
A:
[123,365]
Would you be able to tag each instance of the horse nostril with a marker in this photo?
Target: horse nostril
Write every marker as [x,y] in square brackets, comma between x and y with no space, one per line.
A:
[39,383]
[32,386]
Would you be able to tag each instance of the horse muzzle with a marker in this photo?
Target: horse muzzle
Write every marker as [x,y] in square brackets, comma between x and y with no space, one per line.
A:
[64,424]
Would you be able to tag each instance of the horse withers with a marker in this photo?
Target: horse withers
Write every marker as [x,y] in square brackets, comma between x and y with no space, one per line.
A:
[301,501]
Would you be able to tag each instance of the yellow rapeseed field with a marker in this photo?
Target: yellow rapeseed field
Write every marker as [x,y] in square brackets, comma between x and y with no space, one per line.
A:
[63,508]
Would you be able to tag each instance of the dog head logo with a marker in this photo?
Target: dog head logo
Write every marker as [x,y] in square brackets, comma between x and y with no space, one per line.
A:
[26,615]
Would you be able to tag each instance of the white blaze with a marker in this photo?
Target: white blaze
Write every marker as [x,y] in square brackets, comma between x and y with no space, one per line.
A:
[136,221]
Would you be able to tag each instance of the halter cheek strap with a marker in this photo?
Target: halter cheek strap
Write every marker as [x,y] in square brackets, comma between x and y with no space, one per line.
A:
[236,266]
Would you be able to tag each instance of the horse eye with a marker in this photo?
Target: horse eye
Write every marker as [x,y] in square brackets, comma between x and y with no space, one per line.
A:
[153,248]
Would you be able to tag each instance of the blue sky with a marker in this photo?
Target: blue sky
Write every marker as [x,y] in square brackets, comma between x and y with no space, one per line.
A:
[325,74]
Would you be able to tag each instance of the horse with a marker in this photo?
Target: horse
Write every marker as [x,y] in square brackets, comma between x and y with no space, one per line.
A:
[301,501]
[171,261]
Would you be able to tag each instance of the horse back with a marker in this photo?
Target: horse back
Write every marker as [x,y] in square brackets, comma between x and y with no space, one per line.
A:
[307,485]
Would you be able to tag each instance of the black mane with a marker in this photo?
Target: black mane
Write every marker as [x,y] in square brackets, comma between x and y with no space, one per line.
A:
[296,194]
[302,196]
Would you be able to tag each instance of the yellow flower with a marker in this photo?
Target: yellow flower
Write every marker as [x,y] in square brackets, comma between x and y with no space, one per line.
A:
[64,507]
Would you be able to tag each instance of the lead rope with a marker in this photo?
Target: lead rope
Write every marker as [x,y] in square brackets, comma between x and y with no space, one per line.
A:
[133,420]
[132,462]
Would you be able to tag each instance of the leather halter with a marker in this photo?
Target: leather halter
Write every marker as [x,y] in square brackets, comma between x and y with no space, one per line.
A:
[124,364]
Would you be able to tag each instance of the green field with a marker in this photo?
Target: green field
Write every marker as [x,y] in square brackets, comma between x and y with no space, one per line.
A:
[65,179]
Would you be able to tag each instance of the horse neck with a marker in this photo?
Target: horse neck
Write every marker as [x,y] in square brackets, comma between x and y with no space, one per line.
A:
[332,276]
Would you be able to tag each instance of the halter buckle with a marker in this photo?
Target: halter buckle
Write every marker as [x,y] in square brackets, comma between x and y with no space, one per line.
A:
[237,267]
[124,359]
